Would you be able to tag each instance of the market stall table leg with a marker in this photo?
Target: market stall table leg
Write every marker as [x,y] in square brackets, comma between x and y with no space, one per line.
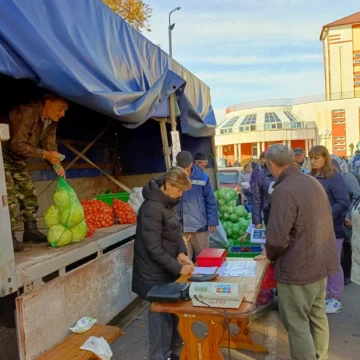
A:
[242,340]
[201,336]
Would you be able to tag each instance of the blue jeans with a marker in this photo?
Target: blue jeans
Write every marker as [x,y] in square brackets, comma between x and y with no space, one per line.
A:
[248,208]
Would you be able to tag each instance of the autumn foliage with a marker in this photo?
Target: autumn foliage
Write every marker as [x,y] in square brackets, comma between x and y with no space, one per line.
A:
[135,12]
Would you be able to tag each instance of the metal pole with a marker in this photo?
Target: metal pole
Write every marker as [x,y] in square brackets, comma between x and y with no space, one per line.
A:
[170,40]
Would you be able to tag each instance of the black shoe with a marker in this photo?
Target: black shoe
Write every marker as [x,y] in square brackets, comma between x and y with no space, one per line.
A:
[32,234]
[347,281]
[19,246]
[174,357]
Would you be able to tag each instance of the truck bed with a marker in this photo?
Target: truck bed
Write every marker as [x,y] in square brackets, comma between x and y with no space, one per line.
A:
[42,261]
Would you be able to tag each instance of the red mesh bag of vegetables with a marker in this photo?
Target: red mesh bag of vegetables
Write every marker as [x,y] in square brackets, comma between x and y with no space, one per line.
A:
[97,215]
[124,212]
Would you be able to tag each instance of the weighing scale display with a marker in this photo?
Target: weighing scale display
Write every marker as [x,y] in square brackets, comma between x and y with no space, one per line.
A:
[201,288]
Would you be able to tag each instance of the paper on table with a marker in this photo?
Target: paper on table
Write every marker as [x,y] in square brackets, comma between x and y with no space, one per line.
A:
[238,268]
[204,270]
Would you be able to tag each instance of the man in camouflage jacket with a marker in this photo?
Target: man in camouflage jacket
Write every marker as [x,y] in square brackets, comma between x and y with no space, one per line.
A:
[32,135]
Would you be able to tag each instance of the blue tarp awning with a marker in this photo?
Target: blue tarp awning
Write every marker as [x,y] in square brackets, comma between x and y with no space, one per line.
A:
[85,52]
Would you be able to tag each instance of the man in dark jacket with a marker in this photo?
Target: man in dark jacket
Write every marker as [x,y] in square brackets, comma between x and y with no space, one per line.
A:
[32,135]
[301,239]
[261,197]
[197,208]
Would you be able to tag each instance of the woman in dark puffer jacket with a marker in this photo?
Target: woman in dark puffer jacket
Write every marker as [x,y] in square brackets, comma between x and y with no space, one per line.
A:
[160,255]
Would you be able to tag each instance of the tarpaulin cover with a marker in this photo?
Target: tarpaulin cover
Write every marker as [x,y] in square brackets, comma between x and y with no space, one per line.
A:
[85,52]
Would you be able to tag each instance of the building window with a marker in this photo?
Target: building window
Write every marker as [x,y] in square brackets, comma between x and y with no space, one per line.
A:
[357,61]
[339,138]
[249,119]
[254,151]
[338,111]
[339,122]
[357,82]
[339,143]
[271,117]
[231,122]
[252,127]
[338,117]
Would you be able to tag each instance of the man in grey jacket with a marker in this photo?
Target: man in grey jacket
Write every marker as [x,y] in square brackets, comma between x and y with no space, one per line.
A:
[301,241]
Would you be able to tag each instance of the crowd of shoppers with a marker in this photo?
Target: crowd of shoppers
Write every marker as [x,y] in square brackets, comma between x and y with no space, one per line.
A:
[310,206]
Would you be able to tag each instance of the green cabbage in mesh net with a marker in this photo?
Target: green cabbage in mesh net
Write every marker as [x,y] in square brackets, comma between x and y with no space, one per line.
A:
[51,216]
[79,232]
[59,236]
[72,216]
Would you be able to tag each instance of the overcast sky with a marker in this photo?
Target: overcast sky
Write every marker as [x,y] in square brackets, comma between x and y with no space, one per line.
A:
[249,50]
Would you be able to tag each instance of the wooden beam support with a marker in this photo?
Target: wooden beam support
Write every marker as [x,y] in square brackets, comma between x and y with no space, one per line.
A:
[86,148]
[46,166]
[161,119]
[172,100]
[165,143]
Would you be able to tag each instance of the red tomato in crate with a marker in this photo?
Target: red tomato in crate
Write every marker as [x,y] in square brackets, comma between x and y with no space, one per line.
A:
[124,212]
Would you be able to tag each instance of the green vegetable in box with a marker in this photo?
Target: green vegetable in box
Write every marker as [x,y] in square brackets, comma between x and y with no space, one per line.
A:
[233,218]
[235,228]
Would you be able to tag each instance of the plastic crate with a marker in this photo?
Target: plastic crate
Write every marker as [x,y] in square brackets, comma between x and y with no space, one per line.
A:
[109,198]
[234,251]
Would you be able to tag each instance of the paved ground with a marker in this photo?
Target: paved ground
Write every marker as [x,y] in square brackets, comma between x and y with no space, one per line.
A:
[267,330]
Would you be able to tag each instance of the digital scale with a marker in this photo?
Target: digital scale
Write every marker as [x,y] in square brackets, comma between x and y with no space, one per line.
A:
[217,294]
[258,236]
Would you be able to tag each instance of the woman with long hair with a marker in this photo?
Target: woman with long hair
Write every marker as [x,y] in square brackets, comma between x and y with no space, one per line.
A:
[334,184]
[160,255]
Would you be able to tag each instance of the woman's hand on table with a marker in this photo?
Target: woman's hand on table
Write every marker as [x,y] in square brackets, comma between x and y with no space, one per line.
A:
[184,260]
[262,256]
[187,270]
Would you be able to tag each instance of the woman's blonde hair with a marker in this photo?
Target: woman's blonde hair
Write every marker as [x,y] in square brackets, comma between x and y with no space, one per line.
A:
[328,170]
[178,178]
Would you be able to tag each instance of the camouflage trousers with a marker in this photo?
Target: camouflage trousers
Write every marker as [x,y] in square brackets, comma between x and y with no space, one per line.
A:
[20,188]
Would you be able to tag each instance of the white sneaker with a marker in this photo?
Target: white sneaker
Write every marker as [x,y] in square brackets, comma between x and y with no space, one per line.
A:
[327,300]
[334,306]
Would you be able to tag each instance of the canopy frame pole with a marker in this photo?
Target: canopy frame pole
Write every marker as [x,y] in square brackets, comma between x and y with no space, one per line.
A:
[117,182]
[175,136]
[172,100]
[87,147]
[165,143]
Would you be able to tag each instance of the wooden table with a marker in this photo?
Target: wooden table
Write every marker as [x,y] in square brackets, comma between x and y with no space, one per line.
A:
[207,347]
